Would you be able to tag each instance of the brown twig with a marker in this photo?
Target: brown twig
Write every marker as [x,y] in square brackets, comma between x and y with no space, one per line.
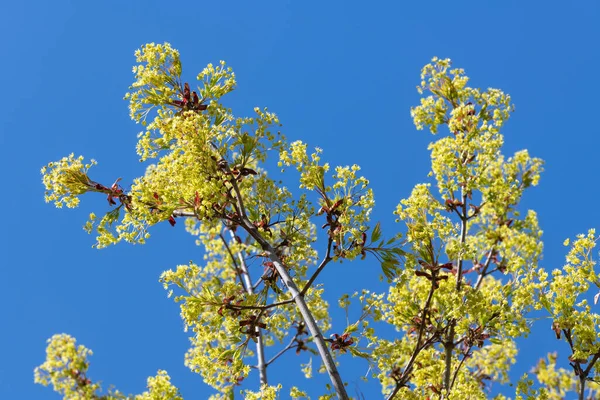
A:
[324,262]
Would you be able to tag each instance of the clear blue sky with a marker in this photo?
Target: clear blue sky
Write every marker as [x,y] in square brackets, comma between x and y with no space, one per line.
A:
[340,74]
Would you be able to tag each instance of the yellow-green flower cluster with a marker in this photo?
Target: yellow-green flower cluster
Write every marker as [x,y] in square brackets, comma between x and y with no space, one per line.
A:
[356,208]
[157,77]
[426,220]
[312,174]
[65,369]
[65,180]
[564,297]
[160,388]
[266,393]
[349,194]
[296,393]
[190,145]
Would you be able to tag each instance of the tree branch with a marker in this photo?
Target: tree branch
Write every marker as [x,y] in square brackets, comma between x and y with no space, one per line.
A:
[485,268]
[244,276]
[286,348]
[319,269]
[297,296]
[408,369]
[261,308]
[238,270]
[449,342]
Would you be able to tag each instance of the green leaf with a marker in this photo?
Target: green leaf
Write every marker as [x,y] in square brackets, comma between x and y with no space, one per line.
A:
[389,266]
[376,234]
[357,353]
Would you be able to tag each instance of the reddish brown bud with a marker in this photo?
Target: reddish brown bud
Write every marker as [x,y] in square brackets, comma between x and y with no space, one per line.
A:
[186,92]
[336,205]
[449,266]
[421,273]
[248,171]
[556,329]
[578,360]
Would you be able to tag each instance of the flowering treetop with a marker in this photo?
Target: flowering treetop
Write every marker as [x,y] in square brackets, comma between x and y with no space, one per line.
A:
[464,277]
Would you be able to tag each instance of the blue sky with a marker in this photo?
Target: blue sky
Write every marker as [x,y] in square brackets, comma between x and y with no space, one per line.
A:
[341,75]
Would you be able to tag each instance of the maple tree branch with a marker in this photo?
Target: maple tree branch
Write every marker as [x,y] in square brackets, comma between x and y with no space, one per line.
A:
[591,364]
[325,261]
[459,366]
[576,365]
[583,377]
[286,348]
[184,214]
[282,351]
[244,275]
[485,268]
[238,270]
[401,382]
[449,342]
[298,297]
[262,308]
[260,349]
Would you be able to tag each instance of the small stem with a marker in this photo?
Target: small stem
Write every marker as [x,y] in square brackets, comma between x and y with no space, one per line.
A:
[258,282]
[276,356]
[591,364]
[459,366]
[485,268]
[238,270]
[183,213]
[262,308]
[286,348]
[319,269]
[408,369]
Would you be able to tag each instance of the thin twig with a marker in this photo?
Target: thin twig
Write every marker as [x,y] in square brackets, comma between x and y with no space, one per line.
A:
[459,366]
[262,308]
[319,269]
[484,270]
[408,369]
[238,270]
[286,348]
